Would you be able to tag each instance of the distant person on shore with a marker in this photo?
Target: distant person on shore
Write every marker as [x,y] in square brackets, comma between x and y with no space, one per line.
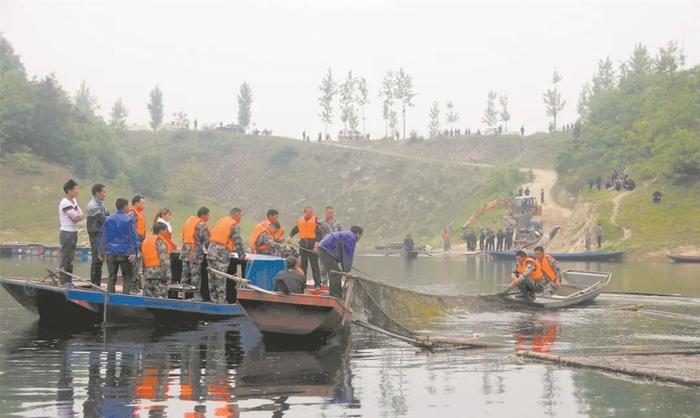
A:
[120,245]
[445,240]
[522,130]
[408,244]
[336,252]
[290,280]
[96,215]
[656,196]
[69,214]
[527,191]
[320,136]
[482,240]
[587,240]
[599,234]
[156,263]
[542,196]
[500,238]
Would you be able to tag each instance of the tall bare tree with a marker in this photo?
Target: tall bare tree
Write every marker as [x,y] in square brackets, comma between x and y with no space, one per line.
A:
[451,117]
[118,116]
[434,115]
[362,99]
[84,101]
[403,91]
[348,113]
[245,103]
[155,108]
[490,117]
[328,90]
[553,101]
[504,113]
[386,93]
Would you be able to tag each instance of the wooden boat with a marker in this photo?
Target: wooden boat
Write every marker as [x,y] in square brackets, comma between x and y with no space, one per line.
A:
[583,256]
[577,288]
[81,302]
[677,258]
[310,313]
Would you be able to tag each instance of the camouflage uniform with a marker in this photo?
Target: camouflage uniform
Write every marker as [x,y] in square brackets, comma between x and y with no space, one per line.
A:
[327,226]
[156,279]
[192,257]
[218,257]
[264,239]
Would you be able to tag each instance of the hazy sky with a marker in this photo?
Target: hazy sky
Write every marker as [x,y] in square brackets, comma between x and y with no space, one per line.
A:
[200,52]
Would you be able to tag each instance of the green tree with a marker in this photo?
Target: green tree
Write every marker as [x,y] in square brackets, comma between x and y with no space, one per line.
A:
[584,101]
[403,91]
[434,115]
[669,59]
[147,176]
[504,113]
[84,101]
[605,78]
[245,102]
[328,89]
[118,115]
[9,61]
[16,99]
[155,108]
[348,114]
[553,101]
[362,99]
[640,63]
[490,117]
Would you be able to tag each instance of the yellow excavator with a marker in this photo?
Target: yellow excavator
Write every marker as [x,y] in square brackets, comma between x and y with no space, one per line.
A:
[518,213]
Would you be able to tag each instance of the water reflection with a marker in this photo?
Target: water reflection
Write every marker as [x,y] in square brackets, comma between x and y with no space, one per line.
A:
[206,370]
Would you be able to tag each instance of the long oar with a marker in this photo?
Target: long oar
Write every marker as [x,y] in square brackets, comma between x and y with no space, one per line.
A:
[240,281]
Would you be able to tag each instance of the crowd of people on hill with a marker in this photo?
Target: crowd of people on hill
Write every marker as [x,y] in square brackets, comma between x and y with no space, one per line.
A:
[122,240]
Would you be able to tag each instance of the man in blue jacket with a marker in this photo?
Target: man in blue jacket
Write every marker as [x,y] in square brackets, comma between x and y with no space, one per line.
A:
[120,244]
[337,251]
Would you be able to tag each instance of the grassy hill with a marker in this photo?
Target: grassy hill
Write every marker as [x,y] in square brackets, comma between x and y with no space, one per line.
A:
[388,195]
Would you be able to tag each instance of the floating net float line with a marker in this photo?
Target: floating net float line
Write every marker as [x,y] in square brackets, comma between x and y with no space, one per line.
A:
[376,306]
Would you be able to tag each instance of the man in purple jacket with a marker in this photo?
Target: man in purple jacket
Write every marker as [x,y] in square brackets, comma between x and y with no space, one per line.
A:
[336,251]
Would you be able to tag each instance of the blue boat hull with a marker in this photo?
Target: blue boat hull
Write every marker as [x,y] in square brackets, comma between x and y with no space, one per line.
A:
[585,256]
[55,303]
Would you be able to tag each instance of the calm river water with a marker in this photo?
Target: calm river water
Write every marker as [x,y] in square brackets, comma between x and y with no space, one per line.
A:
[226,369]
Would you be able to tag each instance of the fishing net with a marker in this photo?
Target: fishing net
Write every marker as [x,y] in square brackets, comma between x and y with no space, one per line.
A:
[389,308]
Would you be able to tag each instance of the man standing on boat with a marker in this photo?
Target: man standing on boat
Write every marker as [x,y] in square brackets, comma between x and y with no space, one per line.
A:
[96,215]
[309,232]
[408,244]
[120,244]
[336,252]
[138,204]
[527,276]
[156,263]
[69,214]
[195,240]
[328,225]
[225,239]
[550,267]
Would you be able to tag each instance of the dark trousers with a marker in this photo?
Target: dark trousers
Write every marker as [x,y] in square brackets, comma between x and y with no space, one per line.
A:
[599,239]
[114,264]
[68,241]
[96,265]
[308,256]
[334,278]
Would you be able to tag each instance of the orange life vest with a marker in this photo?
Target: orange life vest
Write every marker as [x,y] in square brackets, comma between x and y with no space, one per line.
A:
[307,228]
[221,233]
[151,258]
[536,274]
[264,226]
[168,238]
[547,268]
[140,222]
[256,235]
[445,236]
[189,229]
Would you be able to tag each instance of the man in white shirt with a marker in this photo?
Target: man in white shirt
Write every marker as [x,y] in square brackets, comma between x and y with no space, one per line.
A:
[69,214]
